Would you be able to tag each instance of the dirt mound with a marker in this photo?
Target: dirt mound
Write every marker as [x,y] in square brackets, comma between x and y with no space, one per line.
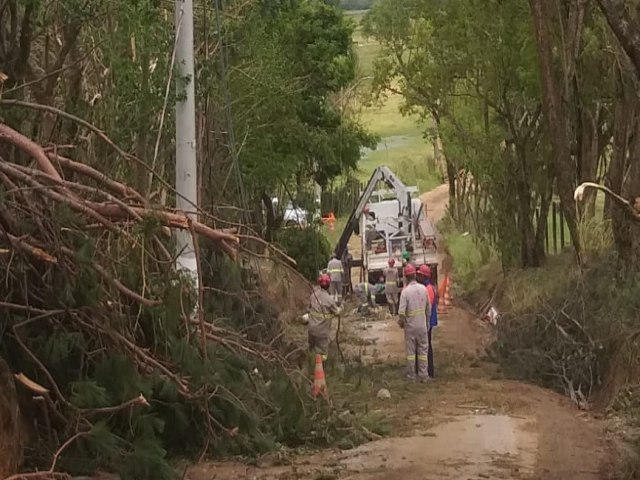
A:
[284,288]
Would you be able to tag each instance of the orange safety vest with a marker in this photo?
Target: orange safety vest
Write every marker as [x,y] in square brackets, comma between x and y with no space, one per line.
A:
[432,293]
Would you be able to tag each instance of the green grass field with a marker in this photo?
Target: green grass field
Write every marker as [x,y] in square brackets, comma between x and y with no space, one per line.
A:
[402,145]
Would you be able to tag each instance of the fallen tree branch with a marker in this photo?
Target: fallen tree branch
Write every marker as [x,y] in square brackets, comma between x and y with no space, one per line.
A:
[36,252]
[96,175]
[73,202]
[63,447]
[93,258]
[140,400]
[632,209]
[30,147]
[39,476]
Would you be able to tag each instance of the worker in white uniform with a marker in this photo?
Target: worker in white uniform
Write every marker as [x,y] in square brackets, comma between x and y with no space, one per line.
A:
[336,272]
[413,312]
[391,286]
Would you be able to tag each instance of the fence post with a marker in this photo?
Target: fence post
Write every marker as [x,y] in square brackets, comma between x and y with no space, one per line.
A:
[546,237]
[561,228]
[546,233]
[554,212]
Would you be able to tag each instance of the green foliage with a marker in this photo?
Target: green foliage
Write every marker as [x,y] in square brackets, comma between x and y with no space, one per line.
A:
[435,54]
[308,247]
[102,357]
[355,4]
[469,253]
[88,394]
[288,63]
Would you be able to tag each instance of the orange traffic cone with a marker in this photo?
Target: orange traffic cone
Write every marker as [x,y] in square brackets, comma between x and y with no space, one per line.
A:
[448,299]
[442,293]
[319,382]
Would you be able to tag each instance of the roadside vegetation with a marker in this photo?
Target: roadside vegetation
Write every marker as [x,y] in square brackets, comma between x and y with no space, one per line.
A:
[495,79]
[402,143]
[118,372]
[568,328]
[102,348]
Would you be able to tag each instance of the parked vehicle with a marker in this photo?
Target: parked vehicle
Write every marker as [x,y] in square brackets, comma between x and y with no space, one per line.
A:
[295,216]
[390,221]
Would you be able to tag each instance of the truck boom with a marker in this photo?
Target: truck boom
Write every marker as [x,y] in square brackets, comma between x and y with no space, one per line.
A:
[380,174]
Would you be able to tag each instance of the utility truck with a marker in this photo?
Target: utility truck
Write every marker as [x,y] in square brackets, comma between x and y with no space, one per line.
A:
[390,221]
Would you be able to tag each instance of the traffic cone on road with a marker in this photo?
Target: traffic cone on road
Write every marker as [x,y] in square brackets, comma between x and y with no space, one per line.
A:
[319,382]
[442,294]
[448,299]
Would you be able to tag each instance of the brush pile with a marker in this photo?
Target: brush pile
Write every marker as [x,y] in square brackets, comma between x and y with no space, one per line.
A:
[112,368]
[572,330]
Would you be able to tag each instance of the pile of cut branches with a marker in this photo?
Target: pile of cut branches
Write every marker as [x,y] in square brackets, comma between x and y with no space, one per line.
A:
[572,337]
[112,367]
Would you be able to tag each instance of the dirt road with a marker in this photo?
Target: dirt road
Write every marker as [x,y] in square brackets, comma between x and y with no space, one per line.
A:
[436,201]
[465,424]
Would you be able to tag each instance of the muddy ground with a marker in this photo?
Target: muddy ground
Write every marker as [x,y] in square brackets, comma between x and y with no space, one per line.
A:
[468,423]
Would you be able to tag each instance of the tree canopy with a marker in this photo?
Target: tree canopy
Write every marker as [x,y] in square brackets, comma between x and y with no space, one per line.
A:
[523,99]
[87,89]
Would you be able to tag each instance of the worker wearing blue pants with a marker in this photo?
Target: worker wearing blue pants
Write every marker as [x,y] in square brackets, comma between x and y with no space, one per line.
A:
[424,277]
[413,311]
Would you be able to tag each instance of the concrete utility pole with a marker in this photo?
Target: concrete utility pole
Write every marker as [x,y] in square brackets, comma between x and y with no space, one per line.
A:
[186,166]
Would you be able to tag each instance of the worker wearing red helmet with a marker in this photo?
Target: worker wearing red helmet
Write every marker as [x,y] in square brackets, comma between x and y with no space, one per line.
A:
[323,308]
[391,286]
[424,277]
[413,311]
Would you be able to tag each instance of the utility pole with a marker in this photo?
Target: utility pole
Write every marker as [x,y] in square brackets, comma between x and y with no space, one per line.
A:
[186,166]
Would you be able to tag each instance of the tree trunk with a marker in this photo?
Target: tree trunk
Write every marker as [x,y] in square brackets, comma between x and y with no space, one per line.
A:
[451,179]
[622,121]
[142,135]
[588,154]
[271,217]
[557,121]
[436,156]
[626,228]
[624,27]
[541,227]
[528,253]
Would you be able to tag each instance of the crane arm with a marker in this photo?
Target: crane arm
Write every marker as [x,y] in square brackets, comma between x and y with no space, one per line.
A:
[384,174]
